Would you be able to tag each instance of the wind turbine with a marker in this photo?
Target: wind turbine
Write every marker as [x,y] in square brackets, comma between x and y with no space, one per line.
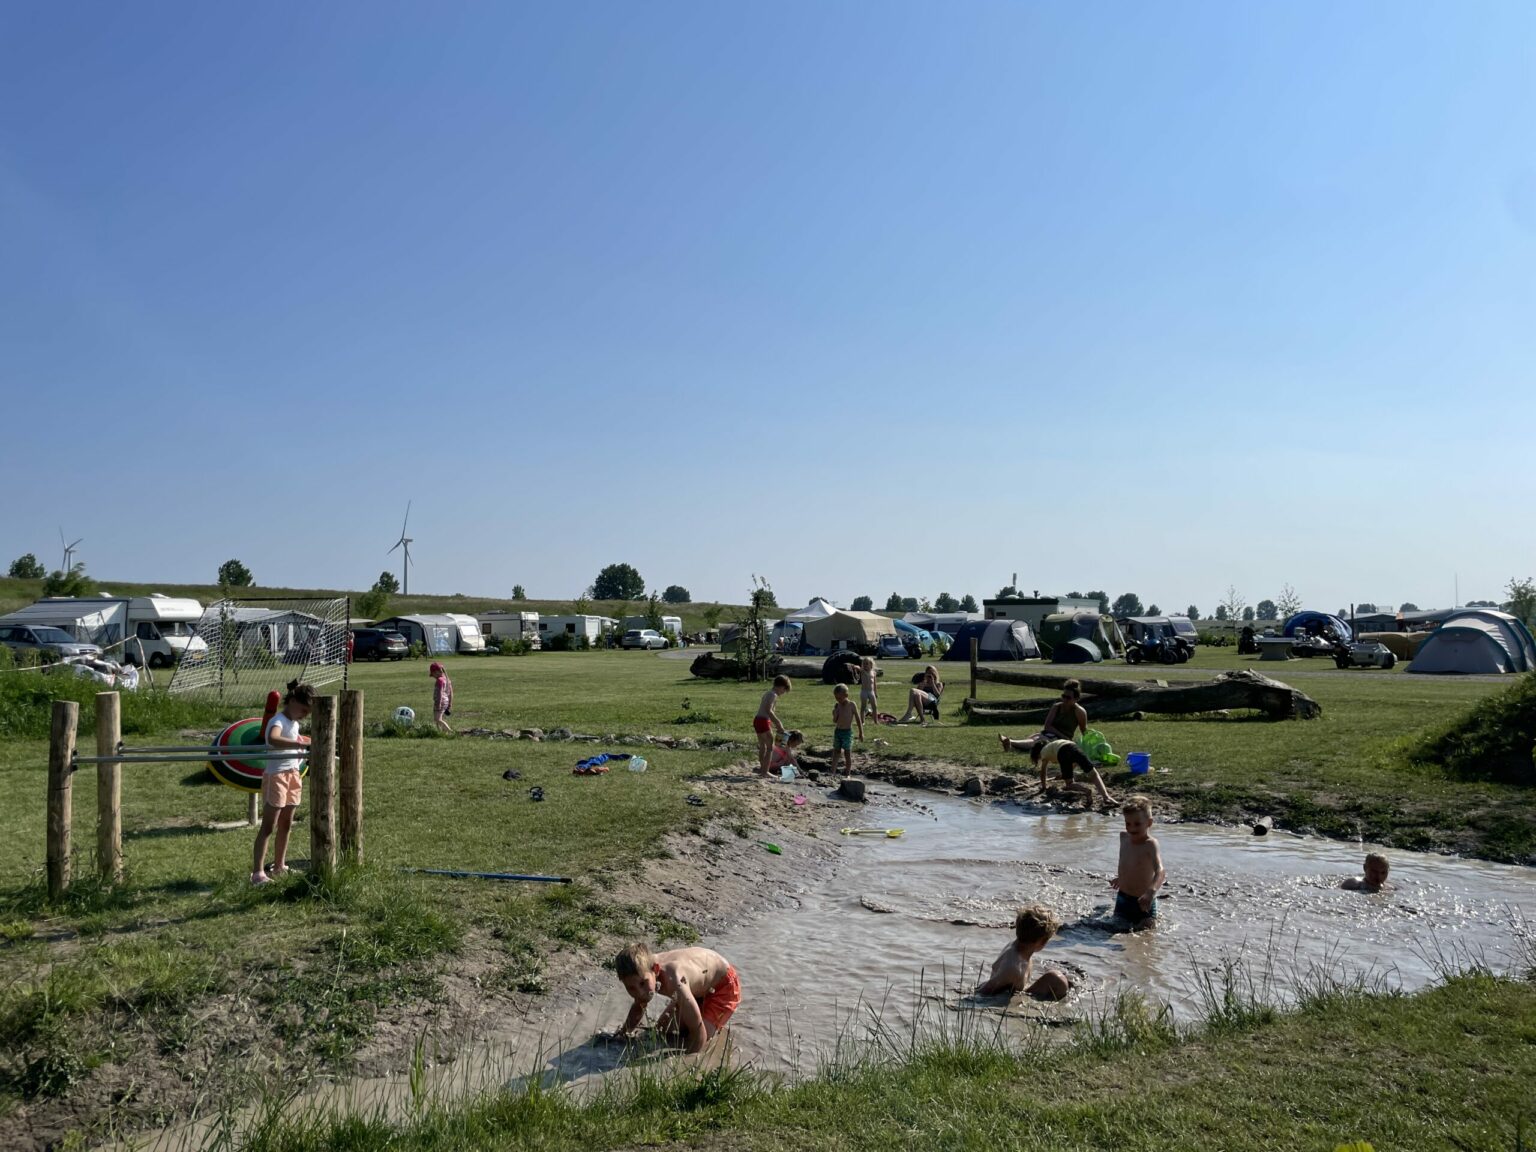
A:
[69,549]
[405,543]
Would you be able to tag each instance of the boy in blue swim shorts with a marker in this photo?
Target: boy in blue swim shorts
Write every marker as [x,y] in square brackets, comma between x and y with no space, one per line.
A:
[844,718]
[1141,873]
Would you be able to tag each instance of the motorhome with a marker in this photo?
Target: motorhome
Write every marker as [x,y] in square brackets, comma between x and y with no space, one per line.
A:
[155,630]
[522,626]
[592,627]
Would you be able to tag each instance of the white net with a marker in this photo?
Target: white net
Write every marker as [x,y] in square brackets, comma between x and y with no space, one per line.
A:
[256,645]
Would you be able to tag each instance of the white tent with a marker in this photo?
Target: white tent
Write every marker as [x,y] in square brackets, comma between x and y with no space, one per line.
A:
[1469,645]
[102,621]
[817,609]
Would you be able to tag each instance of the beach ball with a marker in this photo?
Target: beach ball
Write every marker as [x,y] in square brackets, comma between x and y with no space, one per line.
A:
[404,716]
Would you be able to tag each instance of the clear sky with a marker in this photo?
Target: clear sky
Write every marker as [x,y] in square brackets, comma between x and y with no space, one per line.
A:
[859,297]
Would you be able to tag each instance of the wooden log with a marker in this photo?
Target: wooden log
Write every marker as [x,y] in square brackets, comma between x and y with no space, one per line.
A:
[322,785]
[61,751]
[109,788]
[253,809]
[714,666]
[1242,689]
[975,646]
[350,785]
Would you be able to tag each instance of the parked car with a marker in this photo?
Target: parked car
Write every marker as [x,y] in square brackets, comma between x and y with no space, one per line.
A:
[643,638]
[378,644]
[32,638]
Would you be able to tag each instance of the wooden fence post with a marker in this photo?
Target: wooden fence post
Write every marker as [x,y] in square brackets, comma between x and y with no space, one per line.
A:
[109,788]
[973,668]
[322,784]
[61,751]
[349,737]
[253,809]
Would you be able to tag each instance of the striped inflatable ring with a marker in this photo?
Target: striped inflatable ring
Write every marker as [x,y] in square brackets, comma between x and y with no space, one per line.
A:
[242,774]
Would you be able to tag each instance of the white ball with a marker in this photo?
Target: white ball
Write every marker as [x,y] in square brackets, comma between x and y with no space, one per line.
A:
[405,716]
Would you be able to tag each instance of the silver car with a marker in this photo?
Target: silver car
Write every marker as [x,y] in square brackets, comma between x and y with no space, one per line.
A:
[32,638]
[643,638]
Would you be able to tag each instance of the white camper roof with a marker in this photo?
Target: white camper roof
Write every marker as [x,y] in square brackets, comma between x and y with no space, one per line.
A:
[161,607]
[69,610]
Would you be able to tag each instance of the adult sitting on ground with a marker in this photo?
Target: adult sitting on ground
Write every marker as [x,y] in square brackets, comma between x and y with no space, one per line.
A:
[924,696]
[1067,718]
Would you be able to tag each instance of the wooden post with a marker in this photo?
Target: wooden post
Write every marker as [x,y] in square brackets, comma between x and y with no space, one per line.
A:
[253,809]
[349,738]
[109,788]
[973,669]
[322,787]
[61,750]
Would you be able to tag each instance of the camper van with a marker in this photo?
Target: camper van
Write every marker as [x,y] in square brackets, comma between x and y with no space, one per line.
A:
[155,630]
[522,626]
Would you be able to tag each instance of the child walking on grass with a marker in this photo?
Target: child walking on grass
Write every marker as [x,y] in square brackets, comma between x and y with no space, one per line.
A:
[869,702]
[442,697]
[767,722]
[844,717]
[282,784]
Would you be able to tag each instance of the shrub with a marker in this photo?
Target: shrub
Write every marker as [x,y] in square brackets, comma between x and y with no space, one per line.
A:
[418,650]
[26,706]
[1495,740]
[561,642]
[508,646]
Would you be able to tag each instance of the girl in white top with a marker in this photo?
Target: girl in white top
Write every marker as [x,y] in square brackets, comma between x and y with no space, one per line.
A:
[282,784]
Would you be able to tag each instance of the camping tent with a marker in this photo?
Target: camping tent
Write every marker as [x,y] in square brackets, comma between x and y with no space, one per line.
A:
[1516,634]
[854,628]
[1313,623]
[995,640]
[817,609]
[1471,645]
[1077,651]
[1062,628]
[438,634]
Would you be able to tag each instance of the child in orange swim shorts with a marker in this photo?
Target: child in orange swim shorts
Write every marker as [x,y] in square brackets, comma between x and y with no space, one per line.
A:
[703,987]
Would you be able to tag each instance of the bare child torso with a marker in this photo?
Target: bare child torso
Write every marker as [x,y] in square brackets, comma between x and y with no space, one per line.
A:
[1139,863]
[701,969]
[765,705]
[844,713]
[1010,971]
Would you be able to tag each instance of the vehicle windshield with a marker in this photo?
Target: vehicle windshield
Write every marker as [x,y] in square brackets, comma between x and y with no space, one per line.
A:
[174,627]
[53,636]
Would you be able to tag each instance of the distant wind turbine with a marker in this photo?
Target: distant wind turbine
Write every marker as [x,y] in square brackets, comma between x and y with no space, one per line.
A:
[69,549]
[405,543]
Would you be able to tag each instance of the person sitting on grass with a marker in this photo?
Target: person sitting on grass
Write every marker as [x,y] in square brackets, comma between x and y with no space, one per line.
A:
[1375,878]
[924,697]
[1068,757]
[702,985]
[1140,873]
[1033,928]
[282,784]
[767,722]
[1067,718]
[786,754]
[844,717]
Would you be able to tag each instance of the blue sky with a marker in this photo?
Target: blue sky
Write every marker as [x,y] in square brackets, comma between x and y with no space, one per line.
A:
[859,297]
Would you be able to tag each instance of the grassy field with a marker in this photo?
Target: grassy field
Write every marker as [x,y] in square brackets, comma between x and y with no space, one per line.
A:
[186,969]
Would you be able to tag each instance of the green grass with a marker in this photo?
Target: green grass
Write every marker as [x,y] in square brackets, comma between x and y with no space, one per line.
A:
[1448,1068]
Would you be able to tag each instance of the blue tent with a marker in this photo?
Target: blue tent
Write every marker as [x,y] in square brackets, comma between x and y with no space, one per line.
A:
[995,640]
[1315,622]
[923,636]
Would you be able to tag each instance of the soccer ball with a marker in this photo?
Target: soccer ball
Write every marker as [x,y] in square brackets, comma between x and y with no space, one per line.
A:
[404,716]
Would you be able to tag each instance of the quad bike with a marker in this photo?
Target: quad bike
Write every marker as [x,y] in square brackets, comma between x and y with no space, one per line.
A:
[1364,654]
[1163,649]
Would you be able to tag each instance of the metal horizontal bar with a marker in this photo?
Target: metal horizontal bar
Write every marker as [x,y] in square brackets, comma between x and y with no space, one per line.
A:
[185,757]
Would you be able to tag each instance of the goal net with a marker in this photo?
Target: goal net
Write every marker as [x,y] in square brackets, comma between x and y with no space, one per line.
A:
[256,644]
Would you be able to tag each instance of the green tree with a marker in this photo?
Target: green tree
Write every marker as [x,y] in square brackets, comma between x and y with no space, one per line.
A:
[1410,606]
[233,574]
[1267,610]
[1102,598]
[1365,607]
[1221,611]
[1154,610]
[676,594]
[618,582]
[893,602]
[1007,592]
[518,593]
[72,583]
[1234,604]
[1287,604]
[387,583]
[1192,612]
[909,604]
[711,616]
[753,647]
[653,611]
[862,604]
[27,567]
[1522,599]
[582,605]
[1127,604]
[946,603]
[1248,615]
[968,603]
[372,604]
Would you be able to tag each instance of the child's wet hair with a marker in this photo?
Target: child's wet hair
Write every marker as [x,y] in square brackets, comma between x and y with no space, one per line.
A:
[1137,803]
[1378,859]
[781,682]
[794,736]
[634,960]
[1035,922]
[840,690]
[300,694]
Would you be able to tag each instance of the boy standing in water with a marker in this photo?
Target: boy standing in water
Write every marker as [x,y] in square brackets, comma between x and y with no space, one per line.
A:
[1140,874]
[282,784]
[702,985]
[767,721]
[1032,929]
[1375,878]
[844,717]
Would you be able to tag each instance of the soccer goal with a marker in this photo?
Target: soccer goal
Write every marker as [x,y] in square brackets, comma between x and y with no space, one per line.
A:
[256,644]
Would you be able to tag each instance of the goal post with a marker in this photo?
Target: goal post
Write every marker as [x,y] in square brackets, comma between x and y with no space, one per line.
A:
[257,644]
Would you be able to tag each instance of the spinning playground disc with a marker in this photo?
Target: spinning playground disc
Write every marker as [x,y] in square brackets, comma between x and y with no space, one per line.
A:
[243,774]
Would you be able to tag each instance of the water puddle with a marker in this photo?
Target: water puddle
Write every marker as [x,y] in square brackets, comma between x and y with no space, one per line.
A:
[905,927]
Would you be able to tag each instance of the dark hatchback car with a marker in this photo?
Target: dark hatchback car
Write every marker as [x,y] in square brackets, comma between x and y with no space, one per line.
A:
[378,644]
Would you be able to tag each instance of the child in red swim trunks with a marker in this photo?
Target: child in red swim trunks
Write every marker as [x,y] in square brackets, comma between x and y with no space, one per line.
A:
[766,722]
[702,985]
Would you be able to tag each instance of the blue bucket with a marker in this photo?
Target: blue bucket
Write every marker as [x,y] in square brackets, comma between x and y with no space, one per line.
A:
[1140,762]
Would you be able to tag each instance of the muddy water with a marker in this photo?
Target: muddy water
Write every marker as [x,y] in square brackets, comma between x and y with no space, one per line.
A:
[905,927]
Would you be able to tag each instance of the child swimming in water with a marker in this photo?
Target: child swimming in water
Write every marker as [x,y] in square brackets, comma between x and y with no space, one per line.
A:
[1033,928]
[1140,873]
[1375,878]
[702,985]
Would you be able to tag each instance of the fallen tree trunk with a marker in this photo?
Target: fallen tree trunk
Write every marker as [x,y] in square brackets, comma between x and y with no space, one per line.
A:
[1242,689]
[716,666]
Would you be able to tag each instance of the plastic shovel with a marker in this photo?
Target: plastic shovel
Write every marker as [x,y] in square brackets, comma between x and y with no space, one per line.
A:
[888,833]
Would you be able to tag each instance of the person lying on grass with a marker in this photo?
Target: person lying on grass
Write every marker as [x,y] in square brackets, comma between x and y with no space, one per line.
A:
[1033,928]
[701,984]
[1140,873]
[1375,878]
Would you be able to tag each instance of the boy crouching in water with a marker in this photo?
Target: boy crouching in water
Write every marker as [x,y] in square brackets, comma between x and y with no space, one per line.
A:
[701,984]
[1140,874]
[1033,928]
[1377,868]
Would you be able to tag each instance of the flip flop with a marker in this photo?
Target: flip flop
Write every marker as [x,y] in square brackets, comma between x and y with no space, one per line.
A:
[535,793]
[511,774]
[696,801]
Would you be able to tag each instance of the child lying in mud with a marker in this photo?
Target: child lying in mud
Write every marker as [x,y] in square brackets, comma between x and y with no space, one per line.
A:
[701,984]
[1375,878]
[1033,928]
